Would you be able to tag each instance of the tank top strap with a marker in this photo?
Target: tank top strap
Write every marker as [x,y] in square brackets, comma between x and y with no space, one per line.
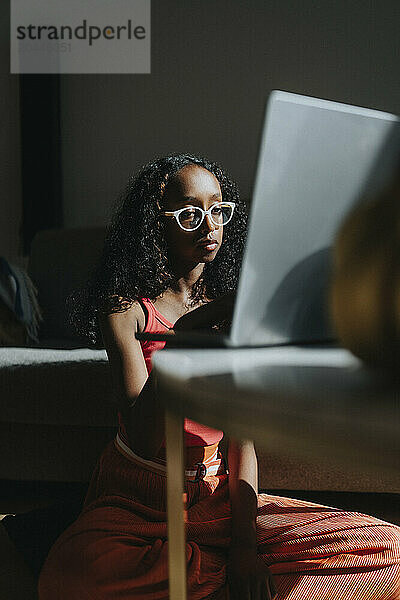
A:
[154,317]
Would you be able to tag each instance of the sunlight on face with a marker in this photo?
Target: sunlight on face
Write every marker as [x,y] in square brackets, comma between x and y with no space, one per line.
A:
[193,186]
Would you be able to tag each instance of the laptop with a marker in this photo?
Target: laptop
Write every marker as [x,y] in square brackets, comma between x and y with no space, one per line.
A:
[317,159]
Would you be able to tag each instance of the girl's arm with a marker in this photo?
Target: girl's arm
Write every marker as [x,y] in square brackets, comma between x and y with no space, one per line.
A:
[248,576]
[243,490]
[135,391]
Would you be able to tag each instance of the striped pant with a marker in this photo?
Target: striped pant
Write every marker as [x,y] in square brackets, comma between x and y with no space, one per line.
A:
[118,546]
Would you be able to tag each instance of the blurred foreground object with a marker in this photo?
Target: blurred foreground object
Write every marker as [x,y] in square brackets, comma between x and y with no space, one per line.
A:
[365,295]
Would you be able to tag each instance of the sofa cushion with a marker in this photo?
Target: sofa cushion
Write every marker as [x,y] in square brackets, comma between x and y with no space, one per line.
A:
[56,387]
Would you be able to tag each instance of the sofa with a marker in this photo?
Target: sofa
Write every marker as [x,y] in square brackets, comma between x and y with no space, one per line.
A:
[57,409]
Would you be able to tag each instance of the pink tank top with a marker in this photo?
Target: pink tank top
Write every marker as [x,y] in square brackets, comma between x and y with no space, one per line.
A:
[194,433]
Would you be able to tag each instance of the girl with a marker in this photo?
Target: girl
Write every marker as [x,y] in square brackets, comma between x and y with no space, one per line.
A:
[171,259]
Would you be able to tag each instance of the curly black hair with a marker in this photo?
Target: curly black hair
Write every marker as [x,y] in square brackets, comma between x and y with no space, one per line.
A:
[134,263]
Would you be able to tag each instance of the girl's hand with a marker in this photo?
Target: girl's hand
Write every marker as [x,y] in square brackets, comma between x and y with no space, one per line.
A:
[210,314]
[248,577]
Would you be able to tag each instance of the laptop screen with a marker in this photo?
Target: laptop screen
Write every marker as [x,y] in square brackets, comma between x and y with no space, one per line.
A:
[317,159]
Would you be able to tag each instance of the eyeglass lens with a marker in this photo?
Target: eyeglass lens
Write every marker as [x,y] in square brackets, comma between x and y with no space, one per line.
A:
[191,217]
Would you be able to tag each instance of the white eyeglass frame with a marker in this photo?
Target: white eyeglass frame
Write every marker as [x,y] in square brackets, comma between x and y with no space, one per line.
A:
[176,213]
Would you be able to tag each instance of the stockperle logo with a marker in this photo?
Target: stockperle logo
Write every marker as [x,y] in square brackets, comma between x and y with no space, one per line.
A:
[80,36]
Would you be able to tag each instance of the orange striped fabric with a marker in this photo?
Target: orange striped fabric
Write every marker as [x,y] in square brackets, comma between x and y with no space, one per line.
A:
[118,546]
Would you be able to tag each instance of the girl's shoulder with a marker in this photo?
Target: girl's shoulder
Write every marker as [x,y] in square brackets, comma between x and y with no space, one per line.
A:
[131,315]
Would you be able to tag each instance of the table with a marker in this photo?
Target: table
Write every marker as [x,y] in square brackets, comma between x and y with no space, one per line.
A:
[317,403]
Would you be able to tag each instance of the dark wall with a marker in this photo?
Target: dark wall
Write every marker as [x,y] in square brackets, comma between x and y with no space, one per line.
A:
[30,167]
[10,168]
[213,64]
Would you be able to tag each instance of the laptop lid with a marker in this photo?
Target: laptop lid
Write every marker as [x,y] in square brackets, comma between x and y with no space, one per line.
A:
[317,159]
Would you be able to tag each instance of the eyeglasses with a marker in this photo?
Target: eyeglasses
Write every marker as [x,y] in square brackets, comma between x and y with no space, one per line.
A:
[190,218]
